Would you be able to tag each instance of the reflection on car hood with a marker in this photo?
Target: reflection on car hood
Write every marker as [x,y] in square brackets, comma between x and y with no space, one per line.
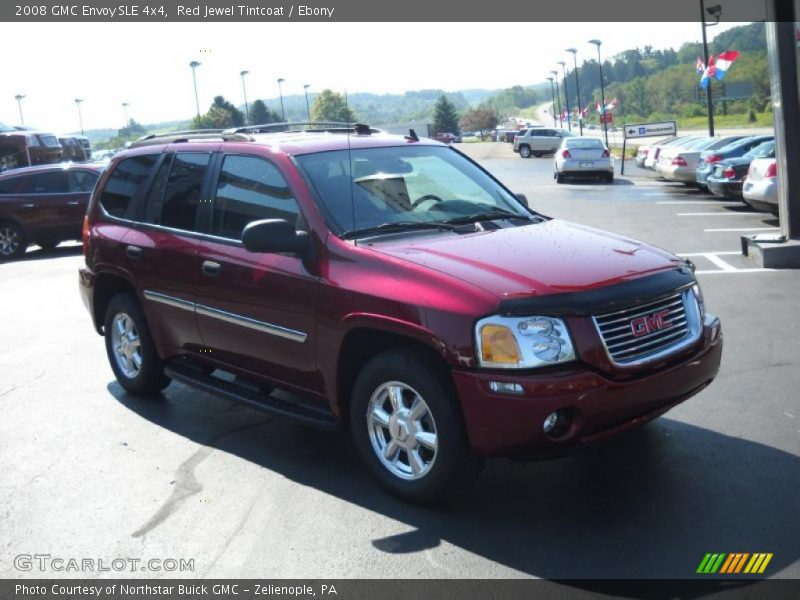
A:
[550,257]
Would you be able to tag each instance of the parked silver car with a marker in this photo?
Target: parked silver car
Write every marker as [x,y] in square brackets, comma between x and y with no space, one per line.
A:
[760,187]
[538,141]
[583,157]
[655,150]
[679,163]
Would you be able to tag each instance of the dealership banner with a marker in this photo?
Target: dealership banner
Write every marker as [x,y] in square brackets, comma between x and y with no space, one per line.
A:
[155,11]
[391,589]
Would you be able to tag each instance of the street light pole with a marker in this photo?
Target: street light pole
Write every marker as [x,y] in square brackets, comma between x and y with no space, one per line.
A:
[194,64]
[80,116]
[566,93]
[553,96]
[574,53]
[125,106]
[602,90]
[246,105]
[308,110]
[715,11]
[280,93]
[19,98]
[558,98]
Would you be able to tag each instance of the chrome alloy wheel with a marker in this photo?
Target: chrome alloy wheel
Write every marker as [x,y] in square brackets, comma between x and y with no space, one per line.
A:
[402,430]
[9,241]
[127,345]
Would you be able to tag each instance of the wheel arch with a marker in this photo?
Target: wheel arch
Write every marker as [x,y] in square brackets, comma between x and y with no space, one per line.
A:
[365,340]
[106,285]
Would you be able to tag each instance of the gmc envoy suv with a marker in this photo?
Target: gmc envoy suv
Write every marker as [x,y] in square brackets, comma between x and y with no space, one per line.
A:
[386,285]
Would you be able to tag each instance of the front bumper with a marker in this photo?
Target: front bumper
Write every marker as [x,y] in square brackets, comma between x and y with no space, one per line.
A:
[501,424]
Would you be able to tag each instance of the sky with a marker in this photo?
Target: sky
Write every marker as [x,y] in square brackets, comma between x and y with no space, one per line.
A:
[147,65]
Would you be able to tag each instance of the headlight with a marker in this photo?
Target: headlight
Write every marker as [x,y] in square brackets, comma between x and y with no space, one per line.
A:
[698,294]
[522,342]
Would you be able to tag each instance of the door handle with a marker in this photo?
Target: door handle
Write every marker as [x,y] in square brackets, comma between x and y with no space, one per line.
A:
[28,205]
[73,203]
[133,252]
[211,268]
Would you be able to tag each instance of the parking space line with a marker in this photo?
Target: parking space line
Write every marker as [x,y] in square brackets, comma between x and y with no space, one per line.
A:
[716,260]
[723,214]
[717,202]
[723,252]
[744,229]
[737,271]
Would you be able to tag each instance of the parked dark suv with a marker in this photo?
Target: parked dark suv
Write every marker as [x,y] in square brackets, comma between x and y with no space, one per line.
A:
[26,148]
[388,285]
[43,205]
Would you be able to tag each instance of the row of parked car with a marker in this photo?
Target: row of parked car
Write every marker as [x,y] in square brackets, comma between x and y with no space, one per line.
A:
[734,166]
[22,147]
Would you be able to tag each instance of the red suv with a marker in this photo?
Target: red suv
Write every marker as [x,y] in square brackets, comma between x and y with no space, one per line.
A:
[388,285]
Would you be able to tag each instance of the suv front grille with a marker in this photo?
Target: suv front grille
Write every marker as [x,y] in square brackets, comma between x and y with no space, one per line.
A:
[651,330]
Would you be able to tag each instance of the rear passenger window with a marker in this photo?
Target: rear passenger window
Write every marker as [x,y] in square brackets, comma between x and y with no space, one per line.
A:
[48,183]
[182,194]
[82,181]
[125,182]
[250,189]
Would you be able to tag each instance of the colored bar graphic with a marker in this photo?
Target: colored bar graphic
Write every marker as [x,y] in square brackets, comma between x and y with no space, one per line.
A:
[733,563]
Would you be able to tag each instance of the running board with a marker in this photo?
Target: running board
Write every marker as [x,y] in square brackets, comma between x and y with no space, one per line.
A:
[188,374]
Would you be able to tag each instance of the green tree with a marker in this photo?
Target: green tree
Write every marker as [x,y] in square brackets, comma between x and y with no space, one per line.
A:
[445,116]
[260,114]
[330,106]
[221,115]
[479,119]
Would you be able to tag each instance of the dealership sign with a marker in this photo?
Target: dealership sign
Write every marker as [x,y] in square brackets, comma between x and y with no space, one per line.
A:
[638,130]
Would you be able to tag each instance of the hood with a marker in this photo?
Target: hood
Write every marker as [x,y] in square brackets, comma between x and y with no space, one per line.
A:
[550,257]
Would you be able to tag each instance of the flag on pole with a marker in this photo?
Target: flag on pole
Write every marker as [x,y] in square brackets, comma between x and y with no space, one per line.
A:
[597,107]
[724,62]
[708,73]
[612,105]
[584,112]
[700,66]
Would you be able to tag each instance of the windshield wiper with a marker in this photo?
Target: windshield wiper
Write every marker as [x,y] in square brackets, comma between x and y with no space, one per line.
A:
[489,215]
[395,227]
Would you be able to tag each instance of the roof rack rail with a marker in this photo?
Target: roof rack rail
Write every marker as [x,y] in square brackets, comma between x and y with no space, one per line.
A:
[190,135]
[307,126]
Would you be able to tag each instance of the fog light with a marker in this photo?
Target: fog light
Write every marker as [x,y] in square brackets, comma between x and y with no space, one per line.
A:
[502,387]
[550,422]
[557,423]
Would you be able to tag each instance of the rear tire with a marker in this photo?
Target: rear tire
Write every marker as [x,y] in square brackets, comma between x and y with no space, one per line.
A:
[559,178]
[610,178]
[12,241]
[130,348]
[408,427]
[525,151]
[538,154]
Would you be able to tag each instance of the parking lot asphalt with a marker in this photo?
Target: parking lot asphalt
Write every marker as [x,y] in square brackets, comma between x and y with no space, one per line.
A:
[89,471]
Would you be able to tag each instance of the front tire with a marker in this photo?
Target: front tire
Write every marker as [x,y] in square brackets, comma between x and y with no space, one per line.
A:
[130,348]
[407,425]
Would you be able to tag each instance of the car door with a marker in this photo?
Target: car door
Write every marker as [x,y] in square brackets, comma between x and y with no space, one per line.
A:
[161,248]
[256,311]
[45,206]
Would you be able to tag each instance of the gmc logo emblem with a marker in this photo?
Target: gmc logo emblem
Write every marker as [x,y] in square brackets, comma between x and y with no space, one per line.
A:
[650,323]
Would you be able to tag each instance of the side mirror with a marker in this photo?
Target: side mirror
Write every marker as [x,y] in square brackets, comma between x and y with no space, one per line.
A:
[522,199]
[274,235]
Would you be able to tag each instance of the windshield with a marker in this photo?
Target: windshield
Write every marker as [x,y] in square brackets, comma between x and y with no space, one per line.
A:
[413,186]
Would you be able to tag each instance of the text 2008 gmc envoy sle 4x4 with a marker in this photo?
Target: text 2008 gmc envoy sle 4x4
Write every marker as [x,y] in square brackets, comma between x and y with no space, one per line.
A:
[395,288]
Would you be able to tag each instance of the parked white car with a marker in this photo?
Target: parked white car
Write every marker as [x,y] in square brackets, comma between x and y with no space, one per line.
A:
[583,157]
[760,187]
[655,150]
[679,162]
